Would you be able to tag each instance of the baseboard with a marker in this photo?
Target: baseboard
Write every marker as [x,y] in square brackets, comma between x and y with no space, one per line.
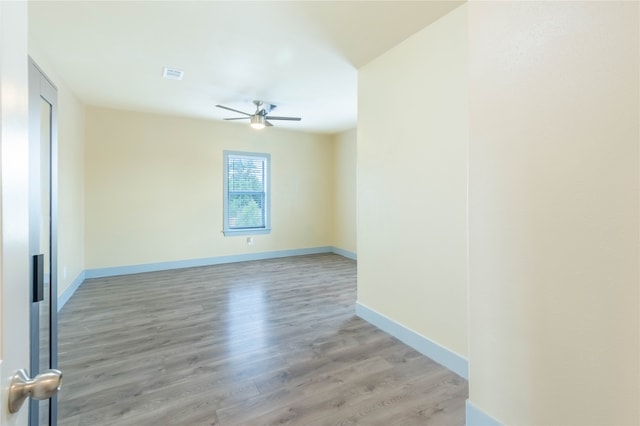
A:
[68,292]
[344,253]
[477,417]
[433,350]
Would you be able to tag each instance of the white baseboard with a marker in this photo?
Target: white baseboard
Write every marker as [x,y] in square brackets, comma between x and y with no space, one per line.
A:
[179,264]
[477,417]
[433,350]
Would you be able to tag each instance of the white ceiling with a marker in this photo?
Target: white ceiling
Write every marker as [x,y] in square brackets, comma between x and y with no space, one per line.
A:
[300,55]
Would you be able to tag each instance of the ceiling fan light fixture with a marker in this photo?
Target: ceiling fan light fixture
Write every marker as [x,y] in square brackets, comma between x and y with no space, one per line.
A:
[258,121]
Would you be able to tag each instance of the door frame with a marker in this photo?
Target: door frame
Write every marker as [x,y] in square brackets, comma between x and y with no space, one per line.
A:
[41,87]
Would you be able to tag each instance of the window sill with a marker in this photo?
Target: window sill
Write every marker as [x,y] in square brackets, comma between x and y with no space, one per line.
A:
[244,232]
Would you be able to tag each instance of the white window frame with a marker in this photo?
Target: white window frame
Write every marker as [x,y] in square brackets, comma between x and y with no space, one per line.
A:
[266,209]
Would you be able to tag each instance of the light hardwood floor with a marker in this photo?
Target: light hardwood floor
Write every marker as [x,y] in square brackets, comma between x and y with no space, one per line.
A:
[255,343]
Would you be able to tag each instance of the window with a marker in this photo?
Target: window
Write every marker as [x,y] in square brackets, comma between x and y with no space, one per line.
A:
[246,193]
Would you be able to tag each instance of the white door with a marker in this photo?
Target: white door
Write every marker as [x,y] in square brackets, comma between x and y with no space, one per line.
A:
[14,203]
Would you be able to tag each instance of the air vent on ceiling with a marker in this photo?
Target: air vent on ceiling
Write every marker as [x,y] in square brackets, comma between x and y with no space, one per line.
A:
[172,73]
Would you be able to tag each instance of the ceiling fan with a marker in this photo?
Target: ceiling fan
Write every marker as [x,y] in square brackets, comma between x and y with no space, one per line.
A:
[259,119]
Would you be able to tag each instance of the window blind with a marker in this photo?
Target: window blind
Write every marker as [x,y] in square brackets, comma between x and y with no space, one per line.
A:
[246,185]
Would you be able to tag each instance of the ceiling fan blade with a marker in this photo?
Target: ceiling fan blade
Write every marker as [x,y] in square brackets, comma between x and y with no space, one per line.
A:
[234,110]
[271,117]
[266,123]
[238,118]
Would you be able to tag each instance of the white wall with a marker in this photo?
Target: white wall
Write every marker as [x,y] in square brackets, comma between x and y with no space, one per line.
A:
[344,175]
[412,183]
[153,188]
[554,213]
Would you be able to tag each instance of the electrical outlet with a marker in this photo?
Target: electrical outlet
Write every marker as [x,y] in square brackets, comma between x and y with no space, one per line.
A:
[250,241]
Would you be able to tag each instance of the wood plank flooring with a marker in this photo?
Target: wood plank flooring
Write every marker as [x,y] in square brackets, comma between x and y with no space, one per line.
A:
[267,342]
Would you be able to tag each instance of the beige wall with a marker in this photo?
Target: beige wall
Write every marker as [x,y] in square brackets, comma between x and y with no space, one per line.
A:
[154,188]
[71,119]
[412,183]
[344,174]
[554,235]
[71,259]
